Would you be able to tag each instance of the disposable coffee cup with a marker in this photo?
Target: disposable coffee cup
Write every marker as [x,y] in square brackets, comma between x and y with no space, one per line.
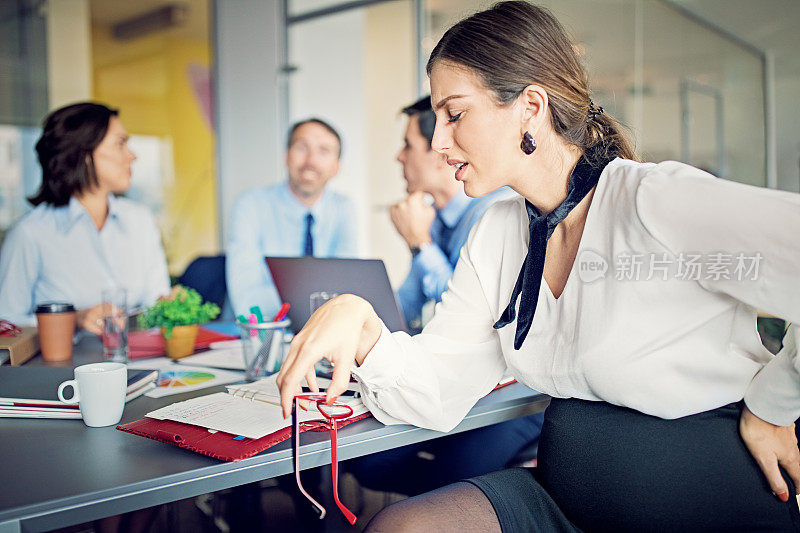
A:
[56,328]
[99,390]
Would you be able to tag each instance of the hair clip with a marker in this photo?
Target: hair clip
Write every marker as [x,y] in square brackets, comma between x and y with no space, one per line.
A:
[594,110]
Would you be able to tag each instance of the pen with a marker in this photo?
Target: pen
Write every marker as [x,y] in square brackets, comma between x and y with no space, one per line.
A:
[276,340]
[252,321]
[257,311]
[282,312]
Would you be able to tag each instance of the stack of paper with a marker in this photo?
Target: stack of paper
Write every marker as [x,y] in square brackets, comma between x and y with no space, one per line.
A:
[225,354]
[140,382]
[25,408]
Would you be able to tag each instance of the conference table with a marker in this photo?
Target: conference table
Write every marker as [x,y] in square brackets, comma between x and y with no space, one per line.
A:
[58,473]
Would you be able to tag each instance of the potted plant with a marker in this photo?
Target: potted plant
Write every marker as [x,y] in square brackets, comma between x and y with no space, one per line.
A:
[178,316]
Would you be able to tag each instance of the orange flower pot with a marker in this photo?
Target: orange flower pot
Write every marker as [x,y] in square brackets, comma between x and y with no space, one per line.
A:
[181,343]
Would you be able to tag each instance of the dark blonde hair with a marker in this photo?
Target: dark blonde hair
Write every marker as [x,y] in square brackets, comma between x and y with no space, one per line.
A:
[516,44]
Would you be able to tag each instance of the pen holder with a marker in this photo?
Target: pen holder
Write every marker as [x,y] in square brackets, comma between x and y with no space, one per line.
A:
[262,347]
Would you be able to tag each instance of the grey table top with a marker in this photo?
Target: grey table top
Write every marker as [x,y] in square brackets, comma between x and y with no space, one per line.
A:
[57,473]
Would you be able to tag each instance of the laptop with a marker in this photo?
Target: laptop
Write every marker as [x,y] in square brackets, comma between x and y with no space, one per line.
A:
[297,278]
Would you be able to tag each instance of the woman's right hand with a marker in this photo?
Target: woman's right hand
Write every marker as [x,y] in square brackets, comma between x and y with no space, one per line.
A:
[91,319]
[343,331]
[772,447]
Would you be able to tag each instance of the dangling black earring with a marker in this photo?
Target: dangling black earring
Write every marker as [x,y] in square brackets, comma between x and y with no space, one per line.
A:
[528,145]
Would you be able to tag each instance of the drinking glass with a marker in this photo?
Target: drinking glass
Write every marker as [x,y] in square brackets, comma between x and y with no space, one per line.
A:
[317,300]
[115,325]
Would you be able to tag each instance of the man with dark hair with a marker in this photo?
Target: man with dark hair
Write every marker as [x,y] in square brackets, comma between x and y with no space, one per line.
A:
[293,218]
[434,233]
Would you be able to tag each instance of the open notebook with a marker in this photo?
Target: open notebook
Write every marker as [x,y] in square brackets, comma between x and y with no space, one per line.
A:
[233,425]
[251,410]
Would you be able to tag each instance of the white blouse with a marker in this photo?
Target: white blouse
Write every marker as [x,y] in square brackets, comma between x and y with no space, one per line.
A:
[658,313]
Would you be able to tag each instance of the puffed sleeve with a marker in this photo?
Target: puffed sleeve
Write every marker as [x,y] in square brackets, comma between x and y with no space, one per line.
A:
[773,393]
[433,379]
[20,265]
[754,232]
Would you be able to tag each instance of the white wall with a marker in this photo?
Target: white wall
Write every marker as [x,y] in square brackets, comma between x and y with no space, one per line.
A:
[247,95]
[787,112]
[356,69]
[329,84]
[69,52]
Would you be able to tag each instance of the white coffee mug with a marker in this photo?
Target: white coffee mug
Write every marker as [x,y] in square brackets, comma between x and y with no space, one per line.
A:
[99,389]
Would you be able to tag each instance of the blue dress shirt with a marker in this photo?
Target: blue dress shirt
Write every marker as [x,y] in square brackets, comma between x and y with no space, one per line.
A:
[57,254]
[271,221]
[433,267]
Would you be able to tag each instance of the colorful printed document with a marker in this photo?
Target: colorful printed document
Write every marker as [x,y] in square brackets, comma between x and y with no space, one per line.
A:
[179,378]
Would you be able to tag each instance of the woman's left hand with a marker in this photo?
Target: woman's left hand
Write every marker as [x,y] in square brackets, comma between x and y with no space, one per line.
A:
[772,446]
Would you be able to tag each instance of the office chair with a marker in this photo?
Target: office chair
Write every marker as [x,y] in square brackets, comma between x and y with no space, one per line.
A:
[206,275]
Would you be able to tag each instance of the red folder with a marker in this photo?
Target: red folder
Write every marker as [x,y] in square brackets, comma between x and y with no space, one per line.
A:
[219,445]
[149,343]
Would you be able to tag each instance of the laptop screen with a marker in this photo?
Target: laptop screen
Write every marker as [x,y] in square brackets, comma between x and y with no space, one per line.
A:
[299,278]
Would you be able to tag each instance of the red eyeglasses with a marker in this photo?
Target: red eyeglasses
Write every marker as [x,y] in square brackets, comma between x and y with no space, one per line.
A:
[7,329]
[334,412]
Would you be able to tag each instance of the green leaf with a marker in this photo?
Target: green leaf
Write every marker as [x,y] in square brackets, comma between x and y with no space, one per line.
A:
[183,307]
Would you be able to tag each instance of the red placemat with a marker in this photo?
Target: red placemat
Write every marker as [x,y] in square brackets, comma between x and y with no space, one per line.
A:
[149,343]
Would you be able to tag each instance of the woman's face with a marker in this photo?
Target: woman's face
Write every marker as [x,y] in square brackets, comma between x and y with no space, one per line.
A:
[113,158]
[480,138]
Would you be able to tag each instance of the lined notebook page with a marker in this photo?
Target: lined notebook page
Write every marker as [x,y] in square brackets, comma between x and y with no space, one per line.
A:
[266,389]
[238,415]
[223,412]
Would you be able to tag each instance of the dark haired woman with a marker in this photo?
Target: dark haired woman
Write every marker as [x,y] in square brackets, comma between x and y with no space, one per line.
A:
[81,238]
[627,291]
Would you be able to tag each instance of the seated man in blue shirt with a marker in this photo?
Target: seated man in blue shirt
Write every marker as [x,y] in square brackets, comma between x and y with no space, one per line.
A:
[435,235]
[292,218]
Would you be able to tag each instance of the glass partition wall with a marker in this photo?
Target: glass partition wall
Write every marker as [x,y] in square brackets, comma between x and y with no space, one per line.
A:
[688,92]
[148,59]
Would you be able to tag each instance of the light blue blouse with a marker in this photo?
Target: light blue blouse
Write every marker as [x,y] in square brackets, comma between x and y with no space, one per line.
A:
[57,254]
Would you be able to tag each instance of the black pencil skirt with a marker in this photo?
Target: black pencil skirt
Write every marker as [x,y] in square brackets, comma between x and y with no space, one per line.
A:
[608,468]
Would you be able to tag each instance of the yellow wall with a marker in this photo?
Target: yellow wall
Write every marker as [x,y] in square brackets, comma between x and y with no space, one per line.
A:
[148,80]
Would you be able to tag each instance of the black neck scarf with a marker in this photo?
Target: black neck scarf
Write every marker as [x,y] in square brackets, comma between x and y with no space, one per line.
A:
[583,178]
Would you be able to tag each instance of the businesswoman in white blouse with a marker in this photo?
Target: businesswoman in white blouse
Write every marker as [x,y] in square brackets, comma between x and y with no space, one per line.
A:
[603,286]
[81,238]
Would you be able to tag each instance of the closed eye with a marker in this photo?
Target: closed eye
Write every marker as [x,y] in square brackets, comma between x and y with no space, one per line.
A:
[455,117]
